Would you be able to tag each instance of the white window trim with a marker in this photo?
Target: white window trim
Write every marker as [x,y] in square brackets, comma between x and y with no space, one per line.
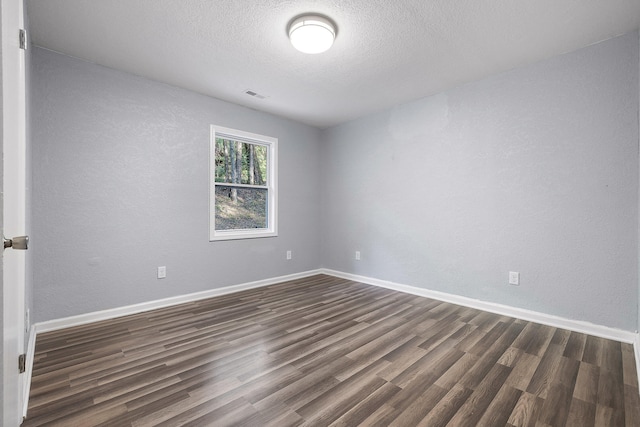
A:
[272,185]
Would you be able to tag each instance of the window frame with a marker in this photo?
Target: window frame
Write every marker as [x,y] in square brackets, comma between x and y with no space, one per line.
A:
[271,186]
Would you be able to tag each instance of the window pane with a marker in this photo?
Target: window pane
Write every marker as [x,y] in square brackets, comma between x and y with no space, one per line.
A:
[224,156]
[240,208]
[240,162]
[256,164]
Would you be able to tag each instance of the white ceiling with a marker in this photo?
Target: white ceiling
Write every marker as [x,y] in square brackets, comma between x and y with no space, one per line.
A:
[387,52]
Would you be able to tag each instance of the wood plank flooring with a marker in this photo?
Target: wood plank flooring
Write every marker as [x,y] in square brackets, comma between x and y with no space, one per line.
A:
[326,351]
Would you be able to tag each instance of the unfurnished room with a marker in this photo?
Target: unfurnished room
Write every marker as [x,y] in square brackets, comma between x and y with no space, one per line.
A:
[320,213]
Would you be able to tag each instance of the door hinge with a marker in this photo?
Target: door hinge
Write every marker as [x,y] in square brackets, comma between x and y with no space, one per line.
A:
[22,38]
[22,359]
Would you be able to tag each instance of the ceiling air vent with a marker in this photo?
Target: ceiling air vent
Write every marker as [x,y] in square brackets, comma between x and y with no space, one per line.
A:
[254,94]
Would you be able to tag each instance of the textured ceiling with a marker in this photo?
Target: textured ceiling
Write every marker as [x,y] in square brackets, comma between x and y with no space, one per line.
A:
[387,52]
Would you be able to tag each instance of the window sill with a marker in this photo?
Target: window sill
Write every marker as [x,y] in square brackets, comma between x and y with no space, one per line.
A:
[239,235]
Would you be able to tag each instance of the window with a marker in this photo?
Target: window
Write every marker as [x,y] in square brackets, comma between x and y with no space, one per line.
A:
[243,181]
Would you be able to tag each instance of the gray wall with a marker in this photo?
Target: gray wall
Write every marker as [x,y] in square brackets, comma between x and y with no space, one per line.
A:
[533,170]
[120,187]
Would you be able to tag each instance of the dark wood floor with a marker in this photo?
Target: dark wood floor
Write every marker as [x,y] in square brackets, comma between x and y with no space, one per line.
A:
[327,351]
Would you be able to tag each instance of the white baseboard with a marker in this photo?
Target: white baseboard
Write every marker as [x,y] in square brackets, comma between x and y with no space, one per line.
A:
[31,350]
[520,313]
[67,322]
[505,310]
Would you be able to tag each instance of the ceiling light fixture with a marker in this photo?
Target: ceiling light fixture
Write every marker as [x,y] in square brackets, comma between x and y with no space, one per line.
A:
[312,33]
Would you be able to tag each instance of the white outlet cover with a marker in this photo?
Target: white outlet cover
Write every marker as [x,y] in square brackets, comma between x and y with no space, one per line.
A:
[162,272]
[514,278]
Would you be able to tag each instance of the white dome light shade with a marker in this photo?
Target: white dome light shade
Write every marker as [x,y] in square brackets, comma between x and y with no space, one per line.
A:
[312,34]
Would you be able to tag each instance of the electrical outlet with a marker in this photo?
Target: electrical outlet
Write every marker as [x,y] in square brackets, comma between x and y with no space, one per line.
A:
[288,254]
[27,320]
[162,272]
[357,255]
[514,278]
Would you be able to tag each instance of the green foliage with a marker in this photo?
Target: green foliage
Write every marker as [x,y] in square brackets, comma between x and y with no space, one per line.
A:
[239,162]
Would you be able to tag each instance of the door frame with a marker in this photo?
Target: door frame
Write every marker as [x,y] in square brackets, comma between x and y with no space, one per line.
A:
[13,202]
